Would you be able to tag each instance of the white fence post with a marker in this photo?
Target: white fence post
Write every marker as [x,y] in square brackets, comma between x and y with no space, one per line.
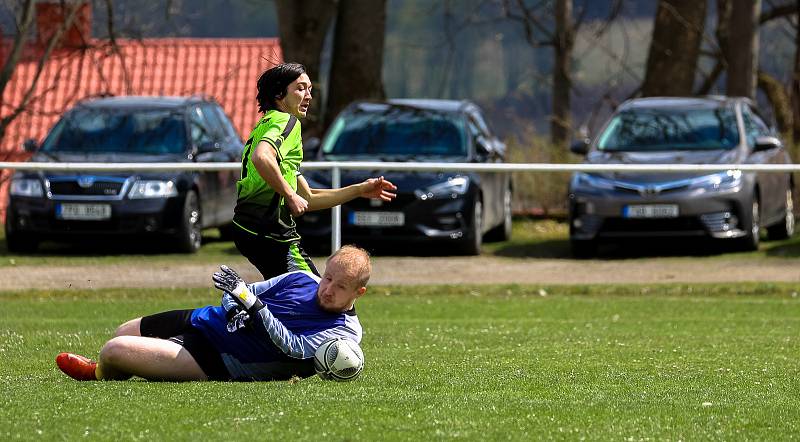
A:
[336,211]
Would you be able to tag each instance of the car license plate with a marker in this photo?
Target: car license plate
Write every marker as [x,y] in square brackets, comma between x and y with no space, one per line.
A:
[379,219]
[90,212]
[651,211]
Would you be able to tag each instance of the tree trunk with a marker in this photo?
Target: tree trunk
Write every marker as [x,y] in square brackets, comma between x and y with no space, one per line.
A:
[796,82]
[561,120]
[303,27]
[779,100]
[722,34]
[357,66]
[675,48]
[743,54]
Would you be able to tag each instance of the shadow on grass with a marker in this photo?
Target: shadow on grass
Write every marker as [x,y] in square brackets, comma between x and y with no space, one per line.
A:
[785,249]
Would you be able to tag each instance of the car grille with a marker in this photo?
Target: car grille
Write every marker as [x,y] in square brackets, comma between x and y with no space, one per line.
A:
[97,188]
[686,224]
[644,190]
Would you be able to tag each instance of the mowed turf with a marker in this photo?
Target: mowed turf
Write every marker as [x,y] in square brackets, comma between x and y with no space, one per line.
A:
[659,362]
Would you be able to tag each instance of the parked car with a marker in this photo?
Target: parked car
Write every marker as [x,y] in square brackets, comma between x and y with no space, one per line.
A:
[727,205]
[175,205]
[454,209]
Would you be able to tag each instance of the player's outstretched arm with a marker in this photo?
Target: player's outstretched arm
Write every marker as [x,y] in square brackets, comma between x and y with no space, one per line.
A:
[374,188]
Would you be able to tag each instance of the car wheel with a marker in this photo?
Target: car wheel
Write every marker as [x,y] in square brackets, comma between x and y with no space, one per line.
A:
[503,231]
[189,235]
[753,237]
[784,229]
[20,243]
[472,243]
[583,248]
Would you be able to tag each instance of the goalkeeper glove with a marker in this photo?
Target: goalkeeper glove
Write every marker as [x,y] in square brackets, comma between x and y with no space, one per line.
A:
[237,319]
[229,281]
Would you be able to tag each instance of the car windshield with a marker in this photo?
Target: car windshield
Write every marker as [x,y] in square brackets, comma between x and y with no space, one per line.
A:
[118,131]
[396,132]
[670,129]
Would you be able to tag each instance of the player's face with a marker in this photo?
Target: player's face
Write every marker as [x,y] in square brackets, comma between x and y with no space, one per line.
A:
[298,97]
[337,291]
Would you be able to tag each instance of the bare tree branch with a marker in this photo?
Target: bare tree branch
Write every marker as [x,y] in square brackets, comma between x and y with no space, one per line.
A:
[51,44]
[112,39]
[530,23]
[780,11]
[23,27]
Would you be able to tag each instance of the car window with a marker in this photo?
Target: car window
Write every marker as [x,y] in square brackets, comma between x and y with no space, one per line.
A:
[397,132]
[200,128]
[118,131]
[656,129]
[754,126]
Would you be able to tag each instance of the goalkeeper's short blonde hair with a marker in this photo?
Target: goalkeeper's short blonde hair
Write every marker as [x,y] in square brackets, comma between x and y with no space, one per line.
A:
[355,261]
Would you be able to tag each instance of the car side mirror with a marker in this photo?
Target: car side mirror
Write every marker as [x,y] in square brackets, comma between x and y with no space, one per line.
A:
[311,147]
[482,147]
[30,145]
[580,147]
[767,143]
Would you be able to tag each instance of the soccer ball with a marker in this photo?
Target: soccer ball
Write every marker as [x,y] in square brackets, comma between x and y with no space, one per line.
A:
[338,359]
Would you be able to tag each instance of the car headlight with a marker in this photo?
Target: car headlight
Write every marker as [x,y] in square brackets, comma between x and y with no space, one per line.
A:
[451,188]
[582,179]
[722,180]
[30,187]
[152,189]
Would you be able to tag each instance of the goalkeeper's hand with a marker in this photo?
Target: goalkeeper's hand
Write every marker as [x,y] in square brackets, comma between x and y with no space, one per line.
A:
[237,319]
[229,281]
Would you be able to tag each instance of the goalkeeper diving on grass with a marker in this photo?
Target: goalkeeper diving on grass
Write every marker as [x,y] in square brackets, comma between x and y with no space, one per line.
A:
[263,331]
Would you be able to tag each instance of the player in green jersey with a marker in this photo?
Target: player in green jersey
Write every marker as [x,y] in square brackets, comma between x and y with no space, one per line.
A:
[272,191]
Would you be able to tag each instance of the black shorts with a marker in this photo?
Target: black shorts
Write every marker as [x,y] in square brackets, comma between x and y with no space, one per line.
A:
[176,326]
[270,257]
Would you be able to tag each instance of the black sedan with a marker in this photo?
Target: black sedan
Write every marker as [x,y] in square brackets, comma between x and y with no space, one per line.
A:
[454,209]
[172,206]
[729,205]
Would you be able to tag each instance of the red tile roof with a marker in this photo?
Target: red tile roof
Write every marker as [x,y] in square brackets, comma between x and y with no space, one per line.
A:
[225,69]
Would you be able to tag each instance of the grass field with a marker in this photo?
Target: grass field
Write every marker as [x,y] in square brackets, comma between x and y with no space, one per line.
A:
[658,362]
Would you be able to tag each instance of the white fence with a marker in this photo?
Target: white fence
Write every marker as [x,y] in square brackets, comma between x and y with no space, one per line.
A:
[337,166]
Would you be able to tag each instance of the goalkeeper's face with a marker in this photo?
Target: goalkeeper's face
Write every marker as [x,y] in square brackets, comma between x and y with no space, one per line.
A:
[338,290]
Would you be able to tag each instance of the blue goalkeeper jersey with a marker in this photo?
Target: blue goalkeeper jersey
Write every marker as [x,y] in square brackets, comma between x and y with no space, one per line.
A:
[289,329]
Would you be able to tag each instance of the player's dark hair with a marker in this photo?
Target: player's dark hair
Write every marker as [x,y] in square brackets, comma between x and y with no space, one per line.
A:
[273,83]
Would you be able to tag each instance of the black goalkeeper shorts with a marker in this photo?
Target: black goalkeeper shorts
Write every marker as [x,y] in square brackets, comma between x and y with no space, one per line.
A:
[176,326]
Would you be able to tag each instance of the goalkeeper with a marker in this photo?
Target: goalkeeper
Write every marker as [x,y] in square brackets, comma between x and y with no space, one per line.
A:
[263,331]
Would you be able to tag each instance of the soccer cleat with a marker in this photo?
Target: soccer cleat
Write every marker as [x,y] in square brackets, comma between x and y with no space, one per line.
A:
[77,367]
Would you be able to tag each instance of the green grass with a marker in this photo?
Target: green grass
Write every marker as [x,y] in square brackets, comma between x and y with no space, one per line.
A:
[656,362]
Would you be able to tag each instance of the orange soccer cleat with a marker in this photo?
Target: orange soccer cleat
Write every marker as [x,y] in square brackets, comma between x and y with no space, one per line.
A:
[77,367]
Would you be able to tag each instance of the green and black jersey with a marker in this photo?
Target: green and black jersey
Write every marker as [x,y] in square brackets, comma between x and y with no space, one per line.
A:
[260,210]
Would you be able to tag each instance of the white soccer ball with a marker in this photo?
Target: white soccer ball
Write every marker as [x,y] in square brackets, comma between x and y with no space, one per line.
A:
[338,359]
